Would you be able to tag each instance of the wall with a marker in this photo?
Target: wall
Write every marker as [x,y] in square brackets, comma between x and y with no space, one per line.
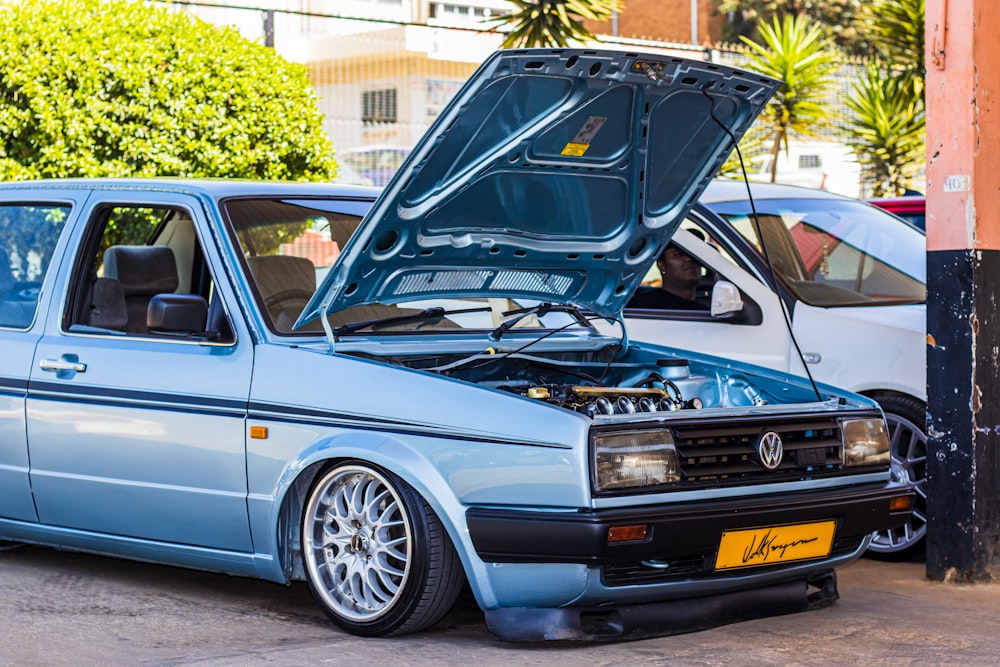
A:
[664,20]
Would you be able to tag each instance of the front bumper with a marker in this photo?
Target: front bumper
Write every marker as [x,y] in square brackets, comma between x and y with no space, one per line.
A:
[666,583]
[682,539]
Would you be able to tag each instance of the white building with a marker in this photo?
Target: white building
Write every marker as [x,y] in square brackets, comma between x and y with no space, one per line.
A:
[382,69]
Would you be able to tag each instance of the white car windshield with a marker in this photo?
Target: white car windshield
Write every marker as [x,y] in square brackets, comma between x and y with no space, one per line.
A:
[836,252]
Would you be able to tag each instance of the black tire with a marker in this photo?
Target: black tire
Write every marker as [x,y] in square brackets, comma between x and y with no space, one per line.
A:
[377,558]
[907,421]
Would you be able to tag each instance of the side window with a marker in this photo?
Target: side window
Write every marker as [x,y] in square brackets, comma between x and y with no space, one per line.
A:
[142,272]
[832,252]
[28,236]
[678,281]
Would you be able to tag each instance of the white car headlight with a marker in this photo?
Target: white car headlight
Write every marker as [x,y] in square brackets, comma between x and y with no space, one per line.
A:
[635,459]
[866,442]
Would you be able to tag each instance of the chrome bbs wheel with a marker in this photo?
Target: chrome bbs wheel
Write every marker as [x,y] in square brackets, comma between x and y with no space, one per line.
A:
[374,553]
[359,543]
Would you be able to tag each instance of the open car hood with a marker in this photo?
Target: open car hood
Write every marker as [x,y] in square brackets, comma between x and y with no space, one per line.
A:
[553,175]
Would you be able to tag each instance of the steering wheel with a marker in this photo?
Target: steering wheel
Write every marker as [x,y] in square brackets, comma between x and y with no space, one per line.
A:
[289,301]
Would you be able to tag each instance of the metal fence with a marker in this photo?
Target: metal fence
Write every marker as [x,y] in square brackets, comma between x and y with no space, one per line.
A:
[381,80]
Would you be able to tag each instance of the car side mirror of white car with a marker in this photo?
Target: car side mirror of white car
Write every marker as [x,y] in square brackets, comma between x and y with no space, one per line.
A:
[726,299]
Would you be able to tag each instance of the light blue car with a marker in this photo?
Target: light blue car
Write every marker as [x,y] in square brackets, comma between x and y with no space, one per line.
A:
[247,377]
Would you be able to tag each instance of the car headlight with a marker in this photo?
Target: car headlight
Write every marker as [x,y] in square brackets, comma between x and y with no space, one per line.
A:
[866,442]
[635,459]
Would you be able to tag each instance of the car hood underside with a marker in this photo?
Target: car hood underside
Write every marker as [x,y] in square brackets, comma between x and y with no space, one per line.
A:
[554,175]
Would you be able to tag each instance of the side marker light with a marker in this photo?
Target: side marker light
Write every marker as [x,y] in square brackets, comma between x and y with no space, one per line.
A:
[627,533]
[900,503]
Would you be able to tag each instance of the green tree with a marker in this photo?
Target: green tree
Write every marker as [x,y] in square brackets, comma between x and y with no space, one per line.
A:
[888,130]
[755,143]
[794,51]
[553,22]
[117,88]
[839,16]
[896,31]
[889,126]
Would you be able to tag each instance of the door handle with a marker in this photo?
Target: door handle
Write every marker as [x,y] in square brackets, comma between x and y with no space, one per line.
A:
[64,364]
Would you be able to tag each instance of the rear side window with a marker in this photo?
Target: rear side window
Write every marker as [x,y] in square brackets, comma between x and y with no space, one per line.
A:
[28,236]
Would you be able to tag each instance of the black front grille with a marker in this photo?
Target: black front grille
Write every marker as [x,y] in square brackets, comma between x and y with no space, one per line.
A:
[719,455]
[650,572]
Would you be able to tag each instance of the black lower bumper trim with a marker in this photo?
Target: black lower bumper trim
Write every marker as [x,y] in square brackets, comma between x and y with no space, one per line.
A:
[659,619]
[524,536]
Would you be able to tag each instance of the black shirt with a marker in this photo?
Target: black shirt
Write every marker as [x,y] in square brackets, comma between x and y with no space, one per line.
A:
[654,297]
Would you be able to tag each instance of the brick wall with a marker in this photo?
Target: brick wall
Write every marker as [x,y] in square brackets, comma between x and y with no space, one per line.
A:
[665,20]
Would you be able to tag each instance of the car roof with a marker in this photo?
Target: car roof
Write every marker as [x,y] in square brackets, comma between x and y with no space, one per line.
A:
[213,188]
[725,189]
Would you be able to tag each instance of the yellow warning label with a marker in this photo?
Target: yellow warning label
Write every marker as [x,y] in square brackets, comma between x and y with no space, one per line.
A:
[585,136]
[575,149]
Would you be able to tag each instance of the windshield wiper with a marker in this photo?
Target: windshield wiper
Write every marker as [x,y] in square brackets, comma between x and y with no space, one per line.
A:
[541,310]
[434,313]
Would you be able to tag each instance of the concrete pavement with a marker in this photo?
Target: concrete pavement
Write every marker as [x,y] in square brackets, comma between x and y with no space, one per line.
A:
[70,609]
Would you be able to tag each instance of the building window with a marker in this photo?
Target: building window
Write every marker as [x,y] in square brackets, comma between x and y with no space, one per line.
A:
[378,106]
[810,161]
[440,10]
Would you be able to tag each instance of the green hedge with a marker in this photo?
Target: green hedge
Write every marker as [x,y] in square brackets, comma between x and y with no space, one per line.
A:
[114,88]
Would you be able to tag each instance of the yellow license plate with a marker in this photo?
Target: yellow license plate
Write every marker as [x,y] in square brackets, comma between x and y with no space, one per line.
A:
[774,544]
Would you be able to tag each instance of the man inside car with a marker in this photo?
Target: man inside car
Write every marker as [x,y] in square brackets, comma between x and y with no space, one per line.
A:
[680,274]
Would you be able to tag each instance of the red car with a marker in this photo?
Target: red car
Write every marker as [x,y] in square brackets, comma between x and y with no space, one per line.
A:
[910,208]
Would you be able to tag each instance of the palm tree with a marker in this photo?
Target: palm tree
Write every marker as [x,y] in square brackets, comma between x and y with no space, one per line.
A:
[888,130]
[889,127]
[795,51]
[553,22]
[743,18]
[754,144]
[896,29]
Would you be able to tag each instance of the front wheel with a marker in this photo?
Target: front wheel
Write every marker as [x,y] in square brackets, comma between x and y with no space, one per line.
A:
[376,557]
[906,419]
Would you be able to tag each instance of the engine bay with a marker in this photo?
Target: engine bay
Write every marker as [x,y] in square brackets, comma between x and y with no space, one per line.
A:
[596,383]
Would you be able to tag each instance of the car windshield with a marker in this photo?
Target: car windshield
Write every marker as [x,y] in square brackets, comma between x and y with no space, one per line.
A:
[836,252]
[289,245]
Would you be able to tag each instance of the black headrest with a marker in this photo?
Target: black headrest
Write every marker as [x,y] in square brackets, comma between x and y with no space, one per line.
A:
[143,269]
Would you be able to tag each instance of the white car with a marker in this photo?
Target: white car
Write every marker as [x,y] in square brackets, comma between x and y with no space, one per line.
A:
[814,164]
[851,281]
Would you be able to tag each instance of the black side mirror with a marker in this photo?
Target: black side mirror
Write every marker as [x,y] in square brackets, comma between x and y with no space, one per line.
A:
[177,314]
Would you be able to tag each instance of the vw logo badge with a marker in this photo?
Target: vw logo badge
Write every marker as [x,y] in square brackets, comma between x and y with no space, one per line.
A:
[769,450]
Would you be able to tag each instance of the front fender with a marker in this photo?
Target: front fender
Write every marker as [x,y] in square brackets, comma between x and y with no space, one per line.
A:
[449,474]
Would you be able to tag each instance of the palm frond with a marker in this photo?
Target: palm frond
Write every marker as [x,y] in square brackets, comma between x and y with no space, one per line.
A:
[889,129]
[795,50]
[558,23]
[897,30]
